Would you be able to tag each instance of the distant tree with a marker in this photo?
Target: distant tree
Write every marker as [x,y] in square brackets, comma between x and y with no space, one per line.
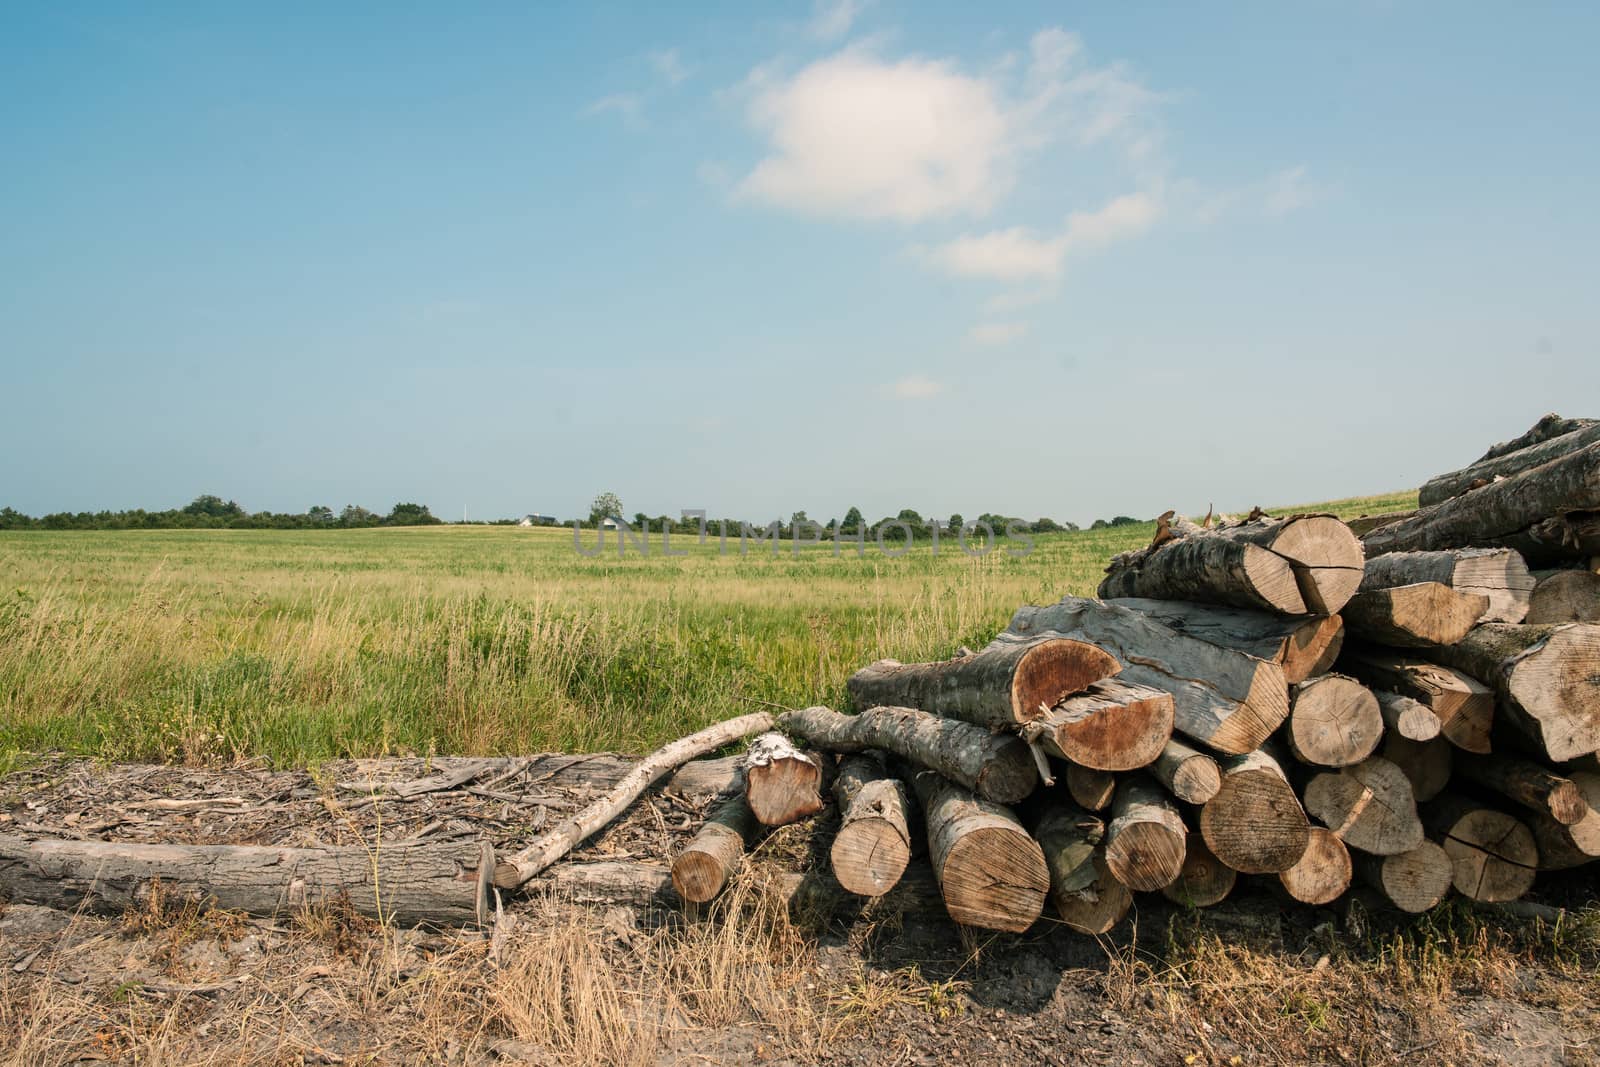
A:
[907,515]
[1099,524]
[410,515]
[213,507]
[852,520]
[1045,526]
[605,506]
[356,515]
[320,514]
[955,520]
[641,521]
[1123,520]
[13,520]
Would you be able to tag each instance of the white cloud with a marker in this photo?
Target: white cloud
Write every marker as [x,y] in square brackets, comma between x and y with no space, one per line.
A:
[669,66]
[1016,254]
[831,19]
[916,387]
[1286,191]
[990,334]
[629,105]
[859,135]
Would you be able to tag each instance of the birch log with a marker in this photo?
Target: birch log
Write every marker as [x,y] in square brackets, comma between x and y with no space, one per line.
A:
[1506,464]
[782,783]
[1255,823]
[1334,721]
[1303,646]
[1493,857]
[1370,806]
[1225,699]
[1323,874]
[1189,774]
[1517,512]
[1086,895]
[991,873]
[1464,705]
[1413,881]
[1414,616]
[1113,726]
[1547,677]
[998,687]
[716,852]
[1497,573]
[1145,840]
[1564,845]
[873,845]
[998,767]
[1204,880]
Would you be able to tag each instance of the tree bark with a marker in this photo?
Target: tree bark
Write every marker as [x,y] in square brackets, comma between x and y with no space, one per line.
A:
[1413,881]
[1406,718]
[1547,677]
[1204,880]
[1558,540]
[873,845]
[1565,596]
[998,687]
[1086,895]
[1493,857]
[1145,841]
[1114,726]
[1551,425]
[1303,646]
[1427,765]
[991,873]
[407,884]
[1255,823]
[1414,616]
[702,779]
[1334,721]
[782,783]
[1190,775]
[1464,705]
[1090,789]
[1508,464]
[1370,806]
[1323,873]
[1496,515]
[1497,573]
[1222,698]
[998,767]
[551,846]
[1564,845]
[716,852]
[1529,784]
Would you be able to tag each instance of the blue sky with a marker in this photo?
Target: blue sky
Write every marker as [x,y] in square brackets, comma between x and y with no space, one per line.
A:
[1041,259]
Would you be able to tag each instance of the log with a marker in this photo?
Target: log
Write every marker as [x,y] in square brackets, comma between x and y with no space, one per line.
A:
[1497,573]
[716,852]
[1303,564]
[1493,857]
[431,882]
[1255,823]
[1334,721]
[990,872]
[1414,616]
[1558,540]
[1464,705]
[1145,840]
[1090,789]
[1565,596]
[1427,765]
[1547,677]
[998,687]
[1204,880]
[1222,698]
[873,845]
[1188,774]
[1564,845]
[702,779]
[1370,806]
[1507,464]
[1303,646]
[1086,895]
[551,846]
[1323,873]
[1512,513]
[1551,425]
[1406,718]
[1113,726]
[998,767]
[1529,784]
[1412,881]
[1365,524]
[782,783]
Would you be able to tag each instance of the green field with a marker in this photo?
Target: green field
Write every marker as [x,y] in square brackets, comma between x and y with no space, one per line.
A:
[209,646]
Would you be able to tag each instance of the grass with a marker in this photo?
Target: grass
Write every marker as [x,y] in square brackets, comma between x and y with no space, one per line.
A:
[209,646]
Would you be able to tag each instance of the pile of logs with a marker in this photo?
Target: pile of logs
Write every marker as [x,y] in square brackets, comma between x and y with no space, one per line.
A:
[1413,710]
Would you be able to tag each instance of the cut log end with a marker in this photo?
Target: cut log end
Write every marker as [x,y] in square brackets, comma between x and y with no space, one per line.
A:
[996,879]
[1114,726]
[1145,841]
[1565,596]
[1204,880]
[1090,789]
[1327,560]
[1051,671]
[1420,615]
[1323,874]
[1255,823]
[782,783]
[1370,806]
[1413,881]
[1493,857]
[1334,722]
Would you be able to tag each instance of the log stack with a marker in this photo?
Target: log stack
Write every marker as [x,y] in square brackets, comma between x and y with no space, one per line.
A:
[1268,697]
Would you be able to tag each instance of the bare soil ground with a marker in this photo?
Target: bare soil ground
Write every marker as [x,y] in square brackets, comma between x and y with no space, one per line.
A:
[1255,980]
